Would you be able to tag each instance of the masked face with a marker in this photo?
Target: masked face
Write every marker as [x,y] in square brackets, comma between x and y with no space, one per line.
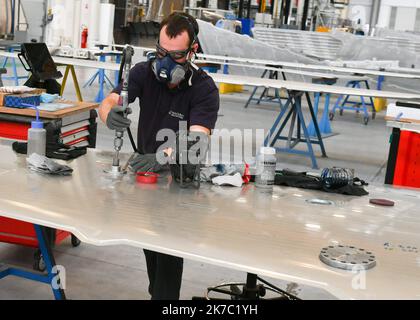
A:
[172,57]
[168,71]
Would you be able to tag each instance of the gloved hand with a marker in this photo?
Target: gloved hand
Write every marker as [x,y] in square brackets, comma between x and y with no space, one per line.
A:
[146,163]
[116,120]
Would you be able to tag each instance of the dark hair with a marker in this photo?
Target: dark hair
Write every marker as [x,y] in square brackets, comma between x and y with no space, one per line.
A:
[178,22]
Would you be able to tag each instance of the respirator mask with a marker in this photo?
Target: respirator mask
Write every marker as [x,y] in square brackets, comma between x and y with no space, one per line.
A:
[165,67]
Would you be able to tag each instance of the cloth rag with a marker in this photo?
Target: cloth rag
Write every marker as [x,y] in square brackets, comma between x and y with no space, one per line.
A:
[229,180]
[42,164]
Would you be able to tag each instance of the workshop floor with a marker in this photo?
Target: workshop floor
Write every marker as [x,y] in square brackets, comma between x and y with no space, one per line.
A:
[120,272]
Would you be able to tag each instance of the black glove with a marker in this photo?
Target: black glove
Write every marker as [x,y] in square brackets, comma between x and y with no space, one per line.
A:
[146,162]
[116,120]
[193,147]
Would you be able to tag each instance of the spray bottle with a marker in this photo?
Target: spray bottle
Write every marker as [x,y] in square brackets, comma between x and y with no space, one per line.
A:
[37,135]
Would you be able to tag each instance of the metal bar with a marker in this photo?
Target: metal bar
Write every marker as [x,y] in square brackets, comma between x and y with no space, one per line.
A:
[38,277]
[64,82]
[278,137]
[301,140]
[291,128]
[49,260]
[315,123]
[76,84]
[91,80]
[254,92]
[276,123]
[370,98]
[305,131]
[4,271]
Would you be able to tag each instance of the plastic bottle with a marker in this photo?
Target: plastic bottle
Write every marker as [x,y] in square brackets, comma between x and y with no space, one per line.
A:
[37,138]
[266,168]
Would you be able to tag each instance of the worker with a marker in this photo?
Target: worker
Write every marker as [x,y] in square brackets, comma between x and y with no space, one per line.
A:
[170,89]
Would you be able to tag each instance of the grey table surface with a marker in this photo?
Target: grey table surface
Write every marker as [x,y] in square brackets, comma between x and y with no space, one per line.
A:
[278,234]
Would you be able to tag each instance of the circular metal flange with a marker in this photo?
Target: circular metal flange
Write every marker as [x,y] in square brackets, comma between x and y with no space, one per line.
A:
[347,257]
[115,171]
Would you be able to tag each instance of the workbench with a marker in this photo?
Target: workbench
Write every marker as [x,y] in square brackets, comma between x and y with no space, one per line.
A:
[292,109]
[68,123]
[278,234]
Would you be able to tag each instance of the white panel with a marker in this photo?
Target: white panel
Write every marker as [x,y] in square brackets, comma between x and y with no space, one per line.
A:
[406,18]
[84,13]
[76,27]
[68,34]
[384,15]
[106,23]
[94,23]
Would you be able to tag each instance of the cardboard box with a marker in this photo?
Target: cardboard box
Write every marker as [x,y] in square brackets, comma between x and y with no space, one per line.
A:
[2,95]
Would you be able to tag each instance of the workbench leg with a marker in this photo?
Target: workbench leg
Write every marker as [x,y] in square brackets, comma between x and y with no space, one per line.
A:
[48,256]
[5,62]
[254,91]
[283,125]
[311,127]
[317,131]
[324,125]
[251,97]
[100,95]
[107,81]
[311,153]
[91,80]
[15,72]
[381,80]
[371,101]
[64,82]
[276,123]
[364,107]
[76,84]
[70,68]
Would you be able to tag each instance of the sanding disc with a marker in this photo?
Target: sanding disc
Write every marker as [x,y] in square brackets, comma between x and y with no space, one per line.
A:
[382,202]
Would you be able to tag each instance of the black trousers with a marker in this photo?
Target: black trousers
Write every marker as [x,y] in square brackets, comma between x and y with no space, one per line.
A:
[165,275]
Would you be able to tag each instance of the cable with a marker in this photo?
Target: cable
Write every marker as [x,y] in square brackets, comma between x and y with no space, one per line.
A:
[289,295]
[120,73]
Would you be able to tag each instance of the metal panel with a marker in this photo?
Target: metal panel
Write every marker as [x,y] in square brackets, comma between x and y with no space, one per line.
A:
[276,234]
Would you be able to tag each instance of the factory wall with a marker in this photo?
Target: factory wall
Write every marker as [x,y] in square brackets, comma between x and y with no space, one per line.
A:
[400,15]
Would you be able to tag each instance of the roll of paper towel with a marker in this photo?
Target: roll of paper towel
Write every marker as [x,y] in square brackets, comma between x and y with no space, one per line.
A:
[77,27]
[93,37]
[85,13]
[106,23]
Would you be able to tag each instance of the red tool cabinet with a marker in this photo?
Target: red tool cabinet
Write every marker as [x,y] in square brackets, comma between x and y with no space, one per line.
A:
[404,159]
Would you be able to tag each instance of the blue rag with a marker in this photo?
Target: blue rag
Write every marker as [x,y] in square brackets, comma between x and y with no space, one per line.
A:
[48,98]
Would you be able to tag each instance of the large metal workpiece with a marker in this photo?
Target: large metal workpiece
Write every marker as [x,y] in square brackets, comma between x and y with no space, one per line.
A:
[279,234]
